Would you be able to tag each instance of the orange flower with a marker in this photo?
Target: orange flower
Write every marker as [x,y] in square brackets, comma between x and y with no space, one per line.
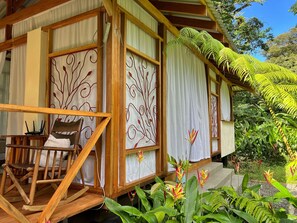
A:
[268,176]
[237,167]
[179,173]
[140,156]
[192,135]
[202,177]
[177,191]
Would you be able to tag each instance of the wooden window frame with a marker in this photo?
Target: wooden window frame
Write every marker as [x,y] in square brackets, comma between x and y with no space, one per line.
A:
[124,152]
[217,81]
[52,54]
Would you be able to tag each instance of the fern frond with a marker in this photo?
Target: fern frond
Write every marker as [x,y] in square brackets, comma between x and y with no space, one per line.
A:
[288,88]
[257,209]
[281,76]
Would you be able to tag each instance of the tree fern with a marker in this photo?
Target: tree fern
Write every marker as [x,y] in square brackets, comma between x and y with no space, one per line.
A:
[267,79]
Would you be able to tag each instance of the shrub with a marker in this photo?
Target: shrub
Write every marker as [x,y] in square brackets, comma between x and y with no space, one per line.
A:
[173,202]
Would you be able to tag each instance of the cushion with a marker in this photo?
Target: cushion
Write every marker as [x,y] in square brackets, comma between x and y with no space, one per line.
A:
[54,142]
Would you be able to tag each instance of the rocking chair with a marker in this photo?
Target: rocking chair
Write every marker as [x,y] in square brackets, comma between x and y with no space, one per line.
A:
[42,165]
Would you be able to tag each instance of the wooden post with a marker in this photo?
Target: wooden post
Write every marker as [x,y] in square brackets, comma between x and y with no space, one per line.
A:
[114,98]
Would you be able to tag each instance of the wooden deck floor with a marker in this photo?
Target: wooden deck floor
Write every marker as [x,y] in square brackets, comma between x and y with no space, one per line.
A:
[85,202]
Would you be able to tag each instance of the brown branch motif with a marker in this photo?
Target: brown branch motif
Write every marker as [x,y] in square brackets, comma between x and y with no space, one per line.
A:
[141,106]
[74,85]
[214,114]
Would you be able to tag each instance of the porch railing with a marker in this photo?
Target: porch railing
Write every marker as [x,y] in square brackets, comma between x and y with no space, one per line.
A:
[49,209]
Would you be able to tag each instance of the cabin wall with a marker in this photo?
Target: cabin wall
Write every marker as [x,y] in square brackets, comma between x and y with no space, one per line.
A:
[31,67]
[18,61]
[141,73]
[155,97]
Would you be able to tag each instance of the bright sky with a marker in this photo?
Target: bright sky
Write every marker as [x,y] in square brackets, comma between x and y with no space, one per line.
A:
[274,14]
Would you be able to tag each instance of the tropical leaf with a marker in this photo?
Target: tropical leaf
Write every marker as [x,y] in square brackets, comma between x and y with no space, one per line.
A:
[191,197]
[245,216]
[116,208]
[245,182]
[142,196]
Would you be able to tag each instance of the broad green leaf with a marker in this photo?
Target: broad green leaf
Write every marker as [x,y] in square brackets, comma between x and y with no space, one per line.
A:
[150,217]
[249,218]
[160,216]
[245,182]
[131,210]
[169,202]
[155,187]
[116,208]
[191,197]
[223,218]
[284,192]
[143,198]
[168,211]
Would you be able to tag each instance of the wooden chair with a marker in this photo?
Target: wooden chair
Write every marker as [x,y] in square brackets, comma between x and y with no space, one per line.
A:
[42,165]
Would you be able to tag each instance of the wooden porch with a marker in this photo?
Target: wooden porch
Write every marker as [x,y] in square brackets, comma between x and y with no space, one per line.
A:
[87,201]
[54,208]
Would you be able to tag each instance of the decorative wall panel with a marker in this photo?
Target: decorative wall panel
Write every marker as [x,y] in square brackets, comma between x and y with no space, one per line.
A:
[74,86]
[141,102]
[214,114]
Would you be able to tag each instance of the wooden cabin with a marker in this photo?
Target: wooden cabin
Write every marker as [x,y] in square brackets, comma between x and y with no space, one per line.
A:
[108,61]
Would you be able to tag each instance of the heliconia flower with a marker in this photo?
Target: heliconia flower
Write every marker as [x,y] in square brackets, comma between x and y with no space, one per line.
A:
[177,191]
[140,156]
[268,176]
[192,136]
[237,167]
[202,177]
[179,173]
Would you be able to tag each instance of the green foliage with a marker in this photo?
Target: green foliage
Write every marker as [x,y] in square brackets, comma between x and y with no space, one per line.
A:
[248,34]
[263,77]
[282,50]
[294,8]
[256,135]
[217,205]
[256,168]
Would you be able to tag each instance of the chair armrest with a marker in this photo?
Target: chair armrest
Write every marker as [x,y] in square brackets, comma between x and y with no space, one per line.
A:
[39,147]
[25,146]
[69,149]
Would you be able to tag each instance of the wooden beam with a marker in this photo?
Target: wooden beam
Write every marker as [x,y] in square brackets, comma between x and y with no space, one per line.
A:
[12,211]
[197,23]
[39,7]
[162,19]
[108,6]
[73,19]
[146,4]
[63,187]
[43,110]
[9,44]
[184,8]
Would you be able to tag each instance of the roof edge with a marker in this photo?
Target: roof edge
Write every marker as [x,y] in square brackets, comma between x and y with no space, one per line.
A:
[209,4]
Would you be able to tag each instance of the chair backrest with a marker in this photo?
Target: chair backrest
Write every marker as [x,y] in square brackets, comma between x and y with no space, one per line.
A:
[69,130]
